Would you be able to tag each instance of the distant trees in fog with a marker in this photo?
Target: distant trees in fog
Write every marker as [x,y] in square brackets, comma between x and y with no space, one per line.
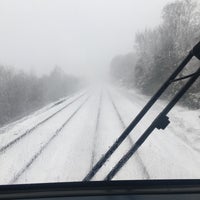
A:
[121,69]
[160,50]
[22,93]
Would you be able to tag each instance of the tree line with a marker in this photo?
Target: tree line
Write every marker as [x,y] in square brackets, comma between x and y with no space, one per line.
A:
[160,50]
[22,93]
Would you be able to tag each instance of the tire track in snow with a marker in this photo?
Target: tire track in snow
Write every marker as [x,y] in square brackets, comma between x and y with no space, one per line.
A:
[38,153]
[96,131]
[137,156]
[27,132]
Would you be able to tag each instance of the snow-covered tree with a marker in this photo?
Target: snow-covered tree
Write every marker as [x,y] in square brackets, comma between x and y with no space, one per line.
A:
[161,50]
[22,93]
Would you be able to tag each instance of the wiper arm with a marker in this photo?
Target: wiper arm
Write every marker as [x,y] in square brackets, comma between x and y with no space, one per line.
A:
[185,77]
[161,122]
[194,52]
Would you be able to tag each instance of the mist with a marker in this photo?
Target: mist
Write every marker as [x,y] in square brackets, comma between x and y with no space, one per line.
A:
[79,36]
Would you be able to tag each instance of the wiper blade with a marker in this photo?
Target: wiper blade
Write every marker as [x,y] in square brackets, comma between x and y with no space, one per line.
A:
[163,120]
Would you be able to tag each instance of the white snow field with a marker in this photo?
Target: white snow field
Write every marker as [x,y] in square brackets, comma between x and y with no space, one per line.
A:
[64,140]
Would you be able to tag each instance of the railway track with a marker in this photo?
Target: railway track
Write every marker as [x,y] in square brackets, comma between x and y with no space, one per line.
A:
[44,146]
[145,173]
[32,129]
[65,147]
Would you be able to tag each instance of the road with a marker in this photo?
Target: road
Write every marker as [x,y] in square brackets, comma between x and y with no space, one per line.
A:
[64,140]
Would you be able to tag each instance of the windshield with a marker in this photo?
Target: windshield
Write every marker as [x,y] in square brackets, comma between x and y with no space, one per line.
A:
[74,74]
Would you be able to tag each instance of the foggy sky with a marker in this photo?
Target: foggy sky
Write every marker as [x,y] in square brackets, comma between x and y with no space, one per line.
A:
[81,36]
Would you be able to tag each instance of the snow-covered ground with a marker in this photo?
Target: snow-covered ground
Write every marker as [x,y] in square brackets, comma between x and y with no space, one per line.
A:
[62,141]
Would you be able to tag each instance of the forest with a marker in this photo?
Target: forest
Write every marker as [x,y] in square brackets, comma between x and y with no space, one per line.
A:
[22,93]
[158,51]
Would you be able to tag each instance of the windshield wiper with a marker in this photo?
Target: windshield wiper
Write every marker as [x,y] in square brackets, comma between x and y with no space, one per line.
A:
[160,122]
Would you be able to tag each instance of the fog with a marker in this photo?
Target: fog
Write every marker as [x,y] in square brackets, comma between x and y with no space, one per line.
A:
[80,36]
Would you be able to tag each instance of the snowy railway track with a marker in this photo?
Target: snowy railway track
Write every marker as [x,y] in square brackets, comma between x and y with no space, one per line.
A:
[95,151]
[29,131]
[80,136]
[131,142]
[44,146]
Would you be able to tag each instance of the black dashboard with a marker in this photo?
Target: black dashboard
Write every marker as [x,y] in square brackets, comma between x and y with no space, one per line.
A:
[104,190]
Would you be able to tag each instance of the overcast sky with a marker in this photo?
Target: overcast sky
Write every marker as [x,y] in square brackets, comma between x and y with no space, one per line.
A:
[81,36]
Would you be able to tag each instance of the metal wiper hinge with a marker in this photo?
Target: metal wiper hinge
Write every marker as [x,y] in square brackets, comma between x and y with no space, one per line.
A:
[162,122]
[196,51]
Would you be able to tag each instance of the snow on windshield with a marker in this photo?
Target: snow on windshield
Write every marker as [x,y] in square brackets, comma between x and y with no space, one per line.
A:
[75,74]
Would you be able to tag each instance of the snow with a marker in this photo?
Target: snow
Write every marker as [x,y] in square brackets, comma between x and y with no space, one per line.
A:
[92,122]
[25,125]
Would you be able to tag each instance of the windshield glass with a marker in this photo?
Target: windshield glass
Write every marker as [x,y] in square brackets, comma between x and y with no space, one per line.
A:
[75,73]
